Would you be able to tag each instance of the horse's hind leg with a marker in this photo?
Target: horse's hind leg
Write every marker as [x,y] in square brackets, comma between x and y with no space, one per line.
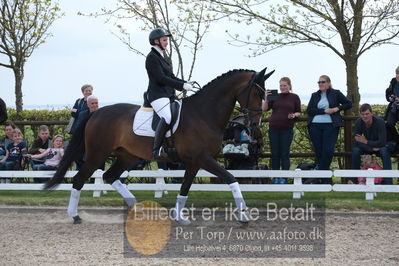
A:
[112,176]
[88,168]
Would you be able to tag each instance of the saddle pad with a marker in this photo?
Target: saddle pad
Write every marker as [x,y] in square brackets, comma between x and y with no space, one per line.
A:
[143,120]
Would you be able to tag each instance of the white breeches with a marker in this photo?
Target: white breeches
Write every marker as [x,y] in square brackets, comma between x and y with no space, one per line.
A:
[162,108]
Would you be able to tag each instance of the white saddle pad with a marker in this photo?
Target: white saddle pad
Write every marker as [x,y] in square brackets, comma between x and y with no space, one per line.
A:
[143,120]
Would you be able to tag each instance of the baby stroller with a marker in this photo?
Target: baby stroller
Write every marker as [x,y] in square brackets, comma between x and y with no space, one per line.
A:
[243,146]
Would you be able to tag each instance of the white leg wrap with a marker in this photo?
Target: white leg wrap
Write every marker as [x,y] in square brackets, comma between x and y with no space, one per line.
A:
[180,204]
[125,193]
[235,189]
[73,203]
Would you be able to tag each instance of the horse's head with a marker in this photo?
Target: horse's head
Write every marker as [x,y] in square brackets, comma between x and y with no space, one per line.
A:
[250,98]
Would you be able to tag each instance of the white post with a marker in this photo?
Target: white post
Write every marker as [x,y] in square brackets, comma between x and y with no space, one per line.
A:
[370,183]
[159,181]
[297,182]
[97,180]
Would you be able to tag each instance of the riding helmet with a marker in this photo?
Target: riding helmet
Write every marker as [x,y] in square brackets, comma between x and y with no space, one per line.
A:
[158,33]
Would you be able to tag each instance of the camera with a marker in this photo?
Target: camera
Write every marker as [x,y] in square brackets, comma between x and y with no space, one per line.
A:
[395,105]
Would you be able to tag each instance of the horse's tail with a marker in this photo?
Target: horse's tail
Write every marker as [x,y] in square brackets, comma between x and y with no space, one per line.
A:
[75,149]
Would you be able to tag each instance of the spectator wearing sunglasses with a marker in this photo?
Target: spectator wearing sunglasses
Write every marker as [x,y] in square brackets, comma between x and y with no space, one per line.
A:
[324,121]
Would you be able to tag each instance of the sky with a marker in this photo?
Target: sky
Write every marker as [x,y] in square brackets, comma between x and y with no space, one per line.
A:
[83,50]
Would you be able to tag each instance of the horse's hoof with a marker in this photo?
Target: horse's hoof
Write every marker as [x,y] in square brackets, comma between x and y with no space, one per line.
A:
[183,222]
[77,220]
[243,217]
[130,202]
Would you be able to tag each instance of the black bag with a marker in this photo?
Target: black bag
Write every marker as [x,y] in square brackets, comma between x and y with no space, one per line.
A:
[309,166]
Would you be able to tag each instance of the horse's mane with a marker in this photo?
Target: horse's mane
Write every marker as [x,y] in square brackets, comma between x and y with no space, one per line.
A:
[211,84]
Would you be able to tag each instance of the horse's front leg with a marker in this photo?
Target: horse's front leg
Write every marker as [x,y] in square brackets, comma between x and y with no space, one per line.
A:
[211,165]
[191,172]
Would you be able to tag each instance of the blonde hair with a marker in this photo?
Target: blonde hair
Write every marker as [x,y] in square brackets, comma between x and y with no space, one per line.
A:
[287,80]
[17,131]
[397,70]
[56,137]
[368,159]
[327,78]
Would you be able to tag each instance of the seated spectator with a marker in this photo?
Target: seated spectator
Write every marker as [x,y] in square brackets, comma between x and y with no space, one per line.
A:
[52,155]
[370,162]
[9,131]
[370,138]
[14,152]
[41,144]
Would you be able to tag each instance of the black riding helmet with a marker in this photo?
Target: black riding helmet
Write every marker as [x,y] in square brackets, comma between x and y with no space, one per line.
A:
[157,34]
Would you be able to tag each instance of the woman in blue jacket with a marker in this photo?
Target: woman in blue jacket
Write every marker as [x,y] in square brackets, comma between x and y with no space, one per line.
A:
[324,120]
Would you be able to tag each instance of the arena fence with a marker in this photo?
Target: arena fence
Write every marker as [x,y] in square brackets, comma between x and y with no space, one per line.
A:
[160,186]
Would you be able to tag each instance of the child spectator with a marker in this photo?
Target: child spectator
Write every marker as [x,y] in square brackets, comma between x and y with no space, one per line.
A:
[14,152]
[370,162]
[52,155]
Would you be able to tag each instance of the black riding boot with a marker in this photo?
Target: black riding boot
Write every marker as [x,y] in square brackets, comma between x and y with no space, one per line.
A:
[162,127]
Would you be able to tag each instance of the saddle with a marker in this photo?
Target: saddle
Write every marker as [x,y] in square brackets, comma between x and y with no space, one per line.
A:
[167,145]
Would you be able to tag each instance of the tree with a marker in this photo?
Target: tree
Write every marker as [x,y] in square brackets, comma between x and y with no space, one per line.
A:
[186,20]
[24,26]
[348,27]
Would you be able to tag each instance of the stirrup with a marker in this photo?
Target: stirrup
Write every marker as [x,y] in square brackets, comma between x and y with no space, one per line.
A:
[160,153]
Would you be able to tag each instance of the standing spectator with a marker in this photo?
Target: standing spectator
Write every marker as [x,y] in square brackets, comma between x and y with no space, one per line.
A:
[324,121]
[92,104]
[14,152]
[370,138]
[3,111]
[80,104]
[285,109]
[41,144]
[392,111]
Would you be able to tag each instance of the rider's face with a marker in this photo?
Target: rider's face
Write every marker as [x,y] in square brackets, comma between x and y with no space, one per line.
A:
[163,42]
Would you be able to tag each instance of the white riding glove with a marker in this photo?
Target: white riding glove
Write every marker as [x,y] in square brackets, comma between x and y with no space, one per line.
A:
[188,87]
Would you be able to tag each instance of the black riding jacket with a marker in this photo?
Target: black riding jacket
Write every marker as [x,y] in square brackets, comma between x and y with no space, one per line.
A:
[162,81]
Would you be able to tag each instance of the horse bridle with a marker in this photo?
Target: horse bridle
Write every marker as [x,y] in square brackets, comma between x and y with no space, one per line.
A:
[245,110]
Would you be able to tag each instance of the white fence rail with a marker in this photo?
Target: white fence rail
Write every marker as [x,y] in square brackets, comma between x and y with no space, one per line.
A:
[160,187]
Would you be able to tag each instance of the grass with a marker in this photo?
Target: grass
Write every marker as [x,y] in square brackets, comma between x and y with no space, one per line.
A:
[331,200]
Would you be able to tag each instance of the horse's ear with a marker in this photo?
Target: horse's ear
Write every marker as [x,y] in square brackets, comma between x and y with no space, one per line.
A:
[259,75]
[268,75]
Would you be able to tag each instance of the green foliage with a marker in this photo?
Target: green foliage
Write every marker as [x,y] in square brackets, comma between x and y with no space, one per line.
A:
[30,131]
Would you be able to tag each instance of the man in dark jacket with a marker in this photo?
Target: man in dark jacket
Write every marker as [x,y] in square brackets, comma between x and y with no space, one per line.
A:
[370,138]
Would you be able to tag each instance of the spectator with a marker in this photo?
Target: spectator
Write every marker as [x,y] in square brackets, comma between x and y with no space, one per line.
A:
[392,111]
[80,105]
[3,111]
[285,109]
[369,162]
[370,138]
[9,128]
[324,121]
[52,157]
[14,152]
[92,105]
[41,144]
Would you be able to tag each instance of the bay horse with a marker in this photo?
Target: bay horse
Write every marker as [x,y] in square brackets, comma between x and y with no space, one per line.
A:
[204,117]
